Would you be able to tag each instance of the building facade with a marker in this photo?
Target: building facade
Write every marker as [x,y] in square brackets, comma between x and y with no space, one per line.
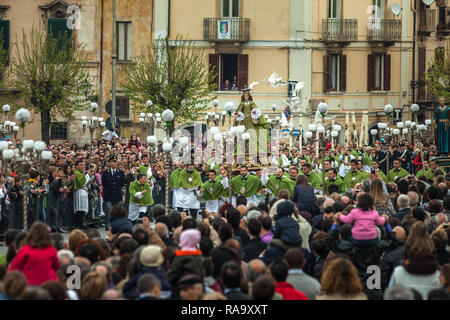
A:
[355,55]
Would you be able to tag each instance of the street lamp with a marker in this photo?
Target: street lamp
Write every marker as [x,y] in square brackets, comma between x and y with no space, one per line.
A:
[32,154]
[167,149]
[168,116]
[92,124]
[148,121]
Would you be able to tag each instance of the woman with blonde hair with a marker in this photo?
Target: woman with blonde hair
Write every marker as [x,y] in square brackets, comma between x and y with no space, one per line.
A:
[420,268]
[381,200]
[93,286]
[340,281]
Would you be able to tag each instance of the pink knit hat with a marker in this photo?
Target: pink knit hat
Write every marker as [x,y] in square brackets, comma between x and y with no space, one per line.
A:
[189,239]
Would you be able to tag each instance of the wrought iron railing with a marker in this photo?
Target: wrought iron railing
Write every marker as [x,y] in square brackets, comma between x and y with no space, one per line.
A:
[388,30]
[339,30]
[226,29]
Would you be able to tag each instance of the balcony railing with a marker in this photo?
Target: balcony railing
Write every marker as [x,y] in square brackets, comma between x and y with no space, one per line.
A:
[443,26]
[339,30]
[226,29]
[386,30]
[427,20]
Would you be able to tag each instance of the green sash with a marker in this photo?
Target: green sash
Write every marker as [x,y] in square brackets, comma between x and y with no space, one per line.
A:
[146,200]
[275,185]
[80,180]
[190,180]
[246,188]
[394,174]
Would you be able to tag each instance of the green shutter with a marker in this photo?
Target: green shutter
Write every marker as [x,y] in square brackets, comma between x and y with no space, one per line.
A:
[57,29]
[4,36]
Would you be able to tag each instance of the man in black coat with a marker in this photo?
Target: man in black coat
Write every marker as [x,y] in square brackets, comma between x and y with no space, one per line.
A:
[231,274]
[256,245]
[113,180]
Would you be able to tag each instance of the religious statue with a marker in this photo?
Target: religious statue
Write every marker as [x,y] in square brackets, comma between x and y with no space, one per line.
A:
[441,121]
[248,115]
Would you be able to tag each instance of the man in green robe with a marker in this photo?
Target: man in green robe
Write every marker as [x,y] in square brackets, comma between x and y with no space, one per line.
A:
[246,185]
[361,168]
[313,178]
[190,182]
[333,179]
[145,166]
[430,173]
[174,182]
[213,190]
[277,182]
[375,169]
[353,176]
[397,172]
[424,170]
[140,197]
[80,195]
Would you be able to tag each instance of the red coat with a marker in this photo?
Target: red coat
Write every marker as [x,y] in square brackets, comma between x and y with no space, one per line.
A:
[37,264]
[288,291]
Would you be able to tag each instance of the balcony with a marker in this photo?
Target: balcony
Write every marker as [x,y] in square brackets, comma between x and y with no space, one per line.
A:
[226,29]
[339,30]
[384,30]
[427,22]
[443,27]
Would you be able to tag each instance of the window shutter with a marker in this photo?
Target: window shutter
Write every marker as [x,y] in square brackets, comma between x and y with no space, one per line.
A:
[4,36]
[124,108]
[326,73]
[387,72]
[214,66]
[370,72]
[242,70]
[422,68]
[57,29]
[343,75]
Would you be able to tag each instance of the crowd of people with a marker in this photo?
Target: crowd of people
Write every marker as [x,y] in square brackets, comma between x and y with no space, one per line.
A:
[336,226]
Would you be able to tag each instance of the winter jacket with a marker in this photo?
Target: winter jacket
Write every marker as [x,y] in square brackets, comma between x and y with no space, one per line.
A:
[277,249]
[289,292]
[288,231]
[362,257]
[365,221]
[37,264]
[129,289]
[121,225]
[306,200]
[389,262]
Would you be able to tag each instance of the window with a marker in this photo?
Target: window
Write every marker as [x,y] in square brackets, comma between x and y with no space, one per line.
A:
[335,73]
[4,37]
[230,8]
[231,70]
[58,131]
[422,70]
[379,13]
[334,9]
[379,72]
[57,29]
[124,41]
[124,107]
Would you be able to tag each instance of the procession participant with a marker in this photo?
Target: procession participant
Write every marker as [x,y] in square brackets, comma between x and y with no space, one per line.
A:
[285,160]
[367,158]
[293,173]
[113,180]
[361,169]
[434,165]
[174,181]
[80,195]
[381,157]
[313,178]
[425,168]
[140,197]
[345,159]
[376,171]
[350,150]
[333,179]
[353,176]
[187,195]
[213,190]
[397,171]
[145,167]
[405,156]
[277,182]
[246,185]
